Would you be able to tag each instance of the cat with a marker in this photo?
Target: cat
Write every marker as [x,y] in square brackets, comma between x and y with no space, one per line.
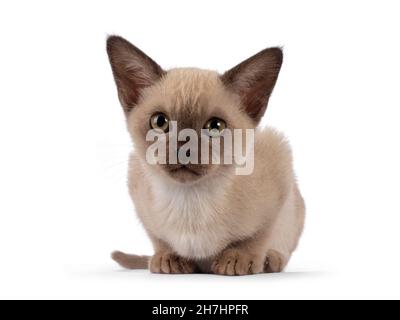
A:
[205,217]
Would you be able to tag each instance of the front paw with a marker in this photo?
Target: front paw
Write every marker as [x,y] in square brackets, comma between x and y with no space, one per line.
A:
[170,263]
[236,262]
[276,262]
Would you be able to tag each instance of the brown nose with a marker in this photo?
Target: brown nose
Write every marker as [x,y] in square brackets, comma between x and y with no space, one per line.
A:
[180,144]
[187,152]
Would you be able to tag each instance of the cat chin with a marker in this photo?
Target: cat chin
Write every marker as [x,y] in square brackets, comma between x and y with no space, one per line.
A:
[190,175]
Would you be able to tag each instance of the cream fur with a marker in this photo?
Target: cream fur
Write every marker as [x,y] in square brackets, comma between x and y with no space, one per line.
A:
[218,221]
[200,220]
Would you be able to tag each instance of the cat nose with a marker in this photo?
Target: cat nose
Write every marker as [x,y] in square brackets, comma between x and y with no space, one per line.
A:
[187,152]
[179,146]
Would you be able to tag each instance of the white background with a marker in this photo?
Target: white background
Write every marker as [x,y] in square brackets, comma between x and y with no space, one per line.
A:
[64,204]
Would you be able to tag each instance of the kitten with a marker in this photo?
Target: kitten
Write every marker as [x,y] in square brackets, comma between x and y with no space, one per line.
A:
[205,217]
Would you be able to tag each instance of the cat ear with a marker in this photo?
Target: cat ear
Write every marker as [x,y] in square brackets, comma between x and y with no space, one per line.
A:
[254,79]
[133,70]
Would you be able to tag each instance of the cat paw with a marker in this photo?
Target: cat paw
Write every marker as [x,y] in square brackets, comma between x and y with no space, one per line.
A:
[275,262]
[234,262]
[170,263]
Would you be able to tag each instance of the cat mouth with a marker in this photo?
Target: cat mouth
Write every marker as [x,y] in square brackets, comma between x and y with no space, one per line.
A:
[184,169]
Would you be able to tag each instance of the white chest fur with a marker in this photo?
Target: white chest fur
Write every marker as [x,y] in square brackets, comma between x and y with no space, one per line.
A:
[190,218]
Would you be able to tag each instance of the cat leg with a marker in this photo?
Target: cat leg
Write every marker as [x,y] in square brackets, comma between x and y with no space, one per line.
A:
[166,261]
[242,258]
[285,233]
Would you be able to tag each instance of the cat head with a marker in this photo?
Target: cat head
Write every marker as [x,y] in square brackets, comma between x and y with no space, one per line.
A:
[153,98]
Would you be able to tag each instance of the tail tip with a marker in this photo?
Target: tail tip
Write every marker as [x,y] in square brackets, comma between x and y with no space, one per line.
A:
[117,255]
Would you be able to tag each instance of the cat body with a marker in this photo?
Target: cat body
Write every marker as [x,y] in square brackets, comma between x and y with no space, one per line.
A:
[206,217]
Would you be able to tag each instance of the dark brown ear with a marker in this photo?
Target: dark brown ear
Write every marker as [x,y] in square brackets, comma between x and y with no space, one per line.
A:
[133,70]
[254,79]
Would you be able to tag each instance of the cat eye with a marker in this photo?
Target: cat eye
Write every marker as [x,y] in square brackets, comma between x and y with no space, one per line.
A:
[215,126]
[159,121]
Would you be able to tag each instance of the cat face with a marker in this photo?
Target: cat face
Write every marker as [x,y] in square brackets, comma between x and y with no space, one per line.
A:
[193,99]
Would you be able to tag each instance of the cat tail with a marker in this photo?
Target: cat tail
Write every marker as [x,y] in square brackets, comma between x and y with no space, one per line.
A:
[131,261]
